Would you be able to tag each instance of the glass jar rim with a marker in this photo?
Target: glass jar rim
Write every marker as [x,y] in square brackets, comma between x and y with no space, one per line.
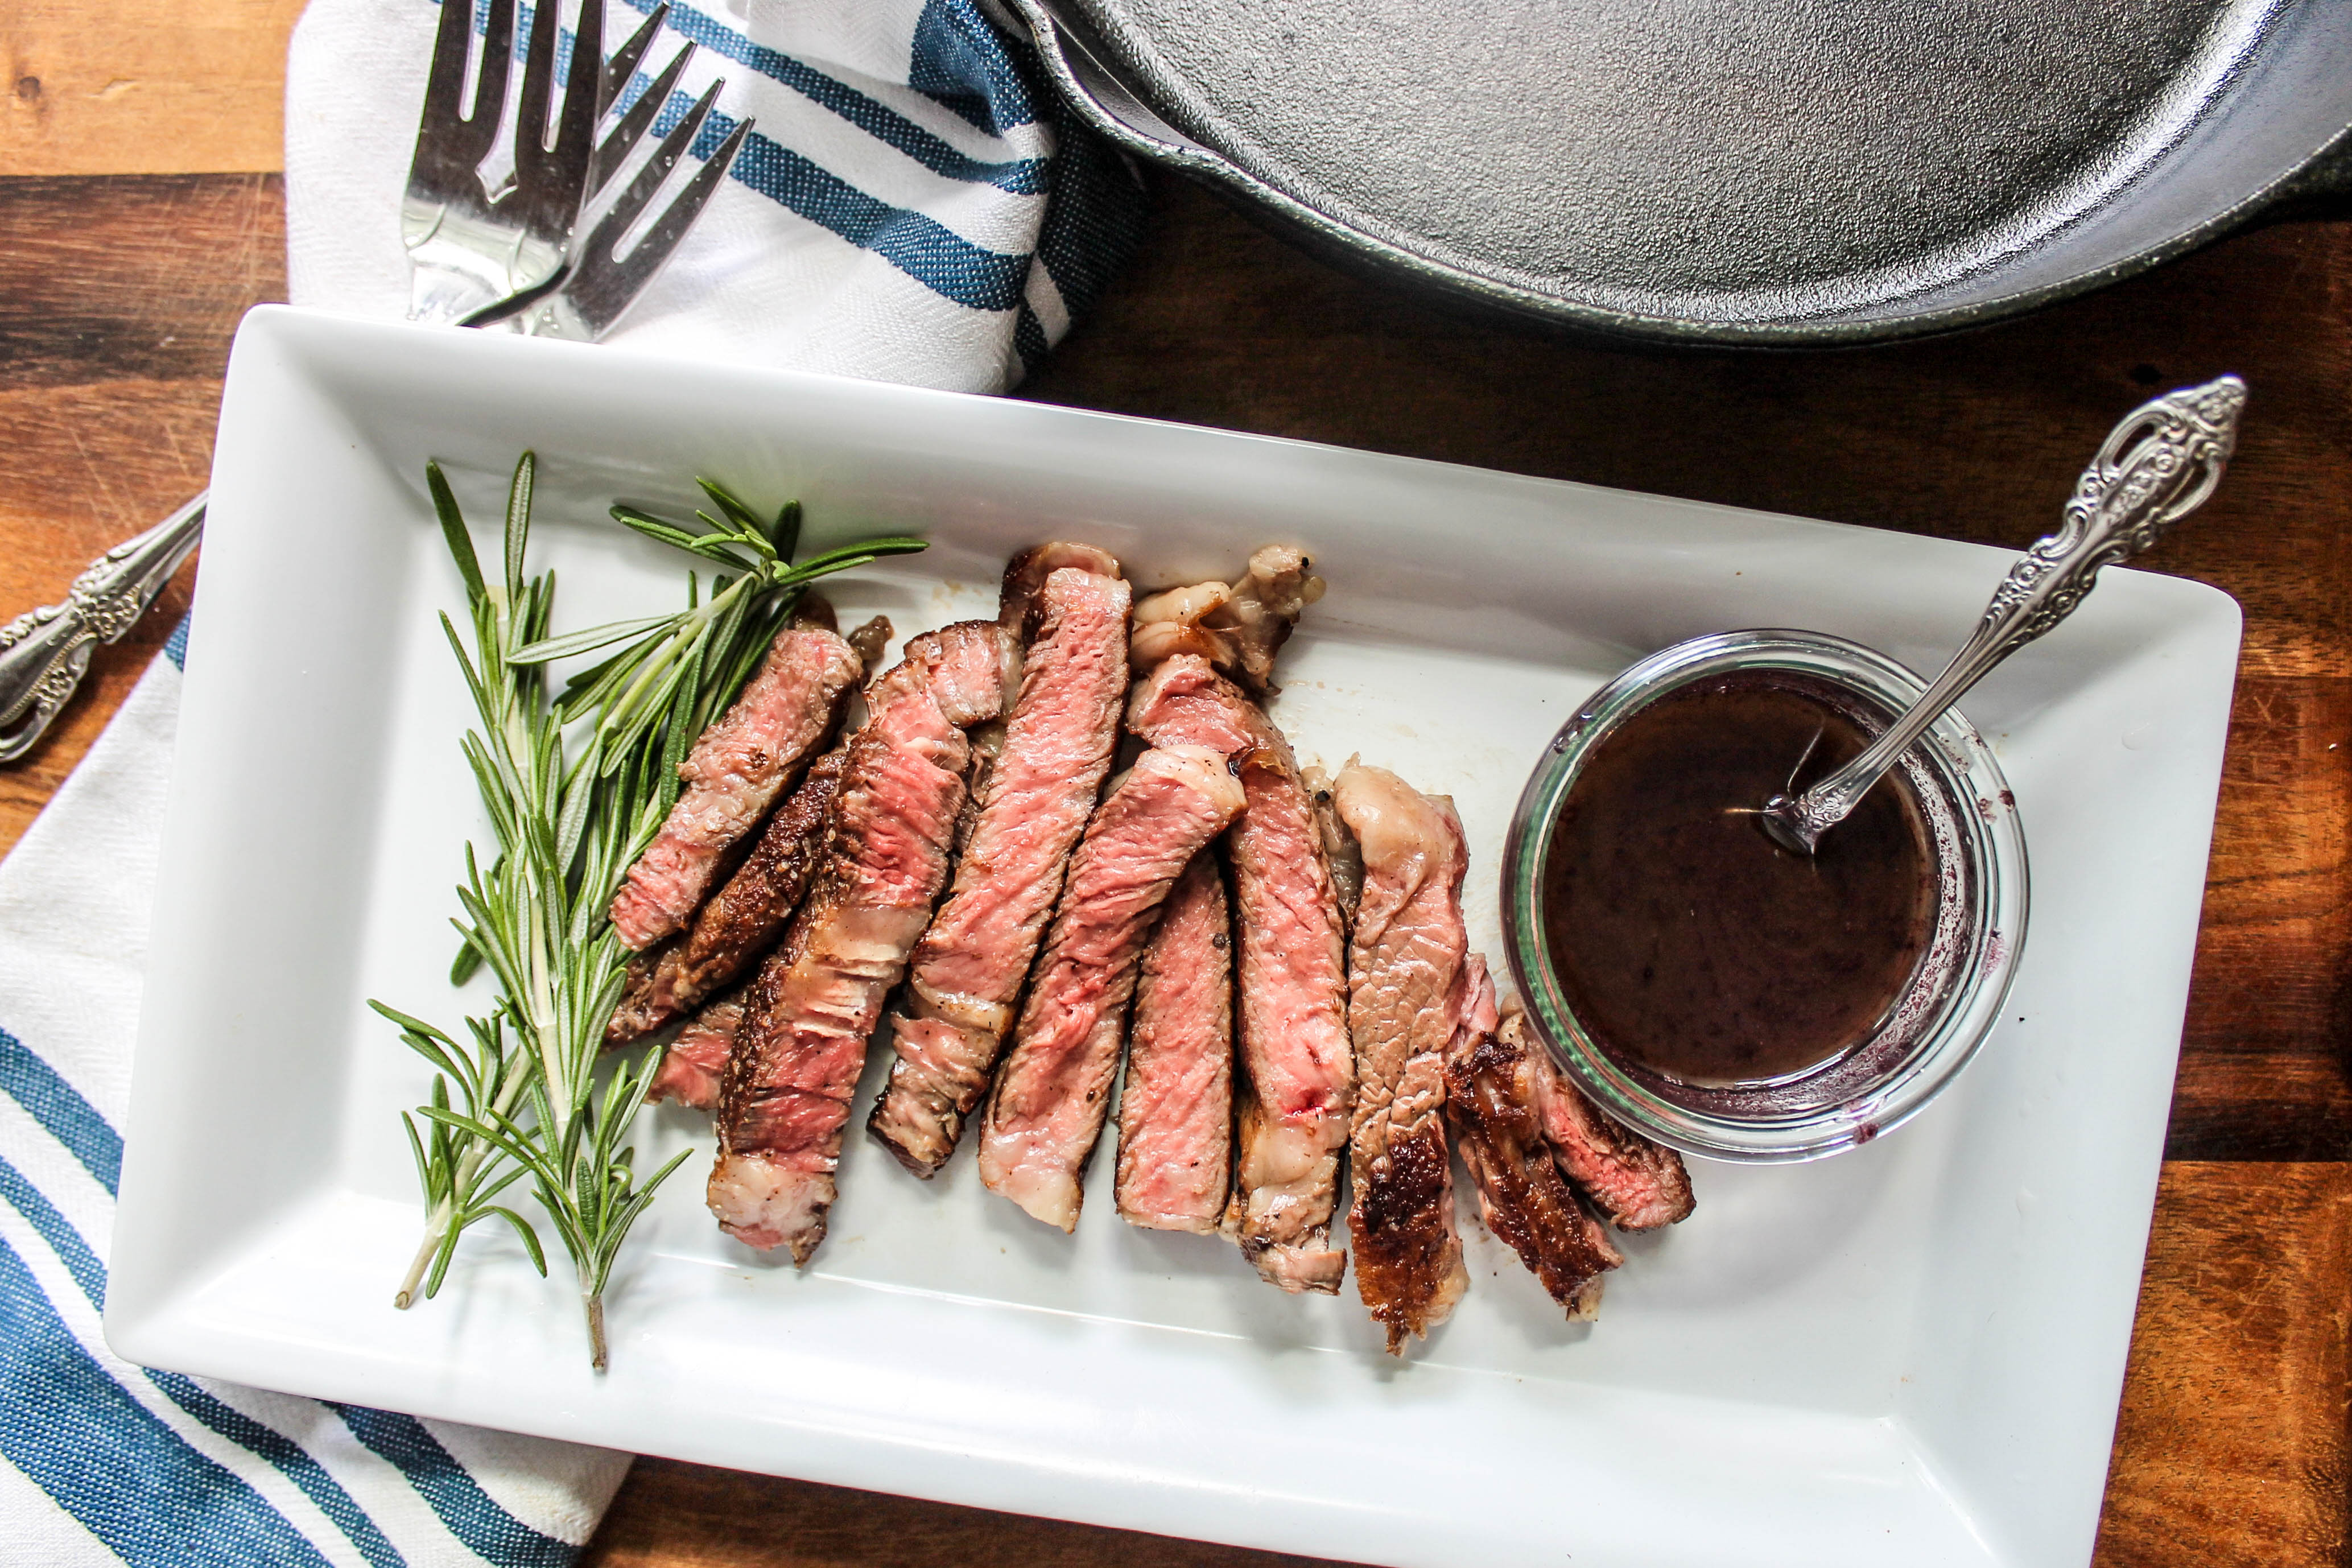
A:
[1762,1127]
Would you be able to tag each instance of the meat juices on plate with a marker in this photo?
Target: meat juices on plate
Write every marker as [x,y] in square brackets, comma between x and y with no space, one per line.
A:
[1047,1109]
[1176,1108]
[786,1095]
[734,773]
[1298,1069]
[967,973]
[1491,1097]
[1408,995]
[742,920]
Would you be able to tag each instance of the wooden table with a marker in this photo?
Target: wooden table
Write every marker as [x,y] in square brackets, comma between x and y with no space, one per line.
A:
[139,217]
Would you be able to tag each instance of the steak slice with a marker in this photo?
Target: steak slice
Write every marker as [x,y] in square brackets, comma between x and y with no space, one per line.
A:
[1176,1108]
[1298,1074]
[742,920]
[1407,998]
[785,1094]
[1636,1183]
[734,774]
[1047,1109]
[691,1067]
[967,972]
[1490,1079]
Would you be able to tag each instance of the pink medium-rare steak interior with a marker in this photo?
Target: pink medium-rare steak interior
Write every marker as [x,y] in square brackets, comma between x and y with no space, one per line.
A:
[1291,979]
[733,775]
[785,1094]
[1047,1109]
[968,971]
[1176,1107]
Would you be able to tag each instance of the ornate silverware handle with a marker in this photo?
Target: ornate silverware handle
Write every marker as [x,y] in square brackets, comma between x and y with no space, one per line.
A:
[2157,467]
[44,653]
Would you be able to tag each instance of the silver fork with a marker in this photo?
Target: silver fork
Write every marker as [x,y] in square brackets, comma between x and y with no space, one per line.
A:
[45,653]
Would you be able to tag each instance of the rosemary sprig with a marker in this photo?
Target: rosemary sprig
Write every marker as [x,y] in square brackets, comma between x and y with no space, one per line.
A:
[576,785]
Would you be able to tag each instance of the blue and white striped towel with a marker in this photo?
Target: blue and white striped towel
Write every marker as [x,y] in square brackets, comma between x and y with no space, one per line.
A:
[912,207]
[99,1460]
[909,209]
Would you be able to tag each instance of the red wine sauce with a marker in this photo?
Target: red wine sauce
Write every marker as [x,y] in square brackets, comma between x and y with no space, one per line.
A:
[1686,941]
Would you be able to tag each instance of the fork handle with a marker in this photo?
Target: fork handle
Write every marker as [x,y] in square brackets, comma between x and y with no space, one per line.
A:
[44,653]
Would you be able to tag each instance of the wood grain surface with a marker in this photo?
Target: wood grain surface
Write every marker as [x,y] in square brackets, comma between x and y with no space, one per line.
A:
[120,289]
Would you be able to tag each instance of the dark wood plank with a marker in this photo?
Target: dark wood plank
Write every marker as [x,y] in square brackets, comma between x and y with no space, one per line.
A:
[1975,437]
[670,1515]
[2231,1451]
[118,299]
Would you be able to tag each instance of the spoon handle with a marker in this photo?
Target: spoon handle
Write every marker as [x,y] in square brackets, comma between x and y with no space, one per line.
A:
[2156,468]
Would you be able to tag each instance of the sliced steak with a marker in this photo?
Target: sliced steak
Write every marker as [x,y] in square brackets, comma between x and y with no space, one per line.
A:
[967,973]
[1019,601]
[692,1066]
[1176,1108]
[785,1094]
[1490,1079]
[1407,995]
[742,920]
[1638,1185]
[1048,1108]
[784,715]
[1291,977]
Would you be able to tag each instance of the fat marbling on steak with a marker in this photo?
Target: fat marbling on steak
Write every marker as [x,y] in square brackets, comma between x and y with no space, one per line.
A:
[734,773]
[1046,1110]
[1176,1107]
[785,1094]
[743,921]
[967,973]
[1297,1068]
[1491,1075]
[1407,998]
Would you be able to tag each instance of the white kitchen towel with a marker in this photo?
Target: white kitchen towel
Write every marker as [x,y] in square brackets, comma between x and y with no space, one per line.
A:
[909,208]
[102,1462]
[913,205]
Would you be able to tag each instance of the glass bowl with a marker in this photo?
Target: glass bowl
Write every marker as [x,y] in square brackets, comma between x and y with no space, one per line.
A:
[1955,994]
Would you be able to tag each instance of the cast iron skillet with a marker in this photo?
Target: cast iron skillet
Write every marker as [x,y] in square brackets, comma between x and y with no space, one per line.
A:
[1771,174]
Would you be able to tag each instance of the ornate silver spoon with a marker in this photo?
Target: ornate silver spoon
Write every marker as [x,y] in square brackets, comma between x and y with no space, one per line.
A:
[2156,467]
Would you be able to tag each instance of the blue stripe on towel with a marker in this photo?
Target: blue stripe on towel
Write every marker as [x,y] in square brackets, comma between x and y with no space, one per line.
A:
[111,1463]
[472,1515]
[1022,176]
[55,1230]
[963,63]
[59,1107]
[920,247]
[231,1423]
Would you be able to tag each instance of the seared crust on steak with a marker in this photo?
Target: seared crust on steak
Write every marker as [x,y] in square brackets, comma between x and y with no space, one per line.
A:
[1491,1102]
[968,971]
[1018,606]
[1291,977]
[1408,995]
[742,920]
[737,767]
[1047,1109]
[1636,1183]
[785,1094]
[1176,1108]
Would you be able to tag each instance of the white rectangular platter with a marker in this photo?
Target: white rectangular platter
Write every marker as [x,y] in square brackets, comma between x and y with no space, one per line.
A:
[1907,1354]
